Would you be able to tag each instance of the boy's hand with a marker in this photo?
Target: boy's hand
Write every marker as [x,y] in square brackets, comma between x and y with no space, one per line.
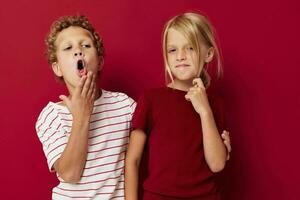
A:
[81,103]
[197,95]
[226,140]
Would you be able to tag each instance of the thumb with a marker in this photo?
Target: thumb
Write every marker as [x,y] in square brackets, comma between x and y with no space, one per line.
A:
[65,99]
[187,97]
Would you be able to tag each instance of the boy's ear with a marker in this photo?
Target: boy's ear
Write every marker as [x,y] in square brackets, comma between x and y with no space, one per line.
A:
[101,63]
[56,69]
[209,55]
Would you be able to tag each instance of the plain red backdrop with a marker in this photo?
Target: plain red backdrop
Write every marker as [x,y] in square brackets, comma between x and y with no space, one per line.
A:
[260,45]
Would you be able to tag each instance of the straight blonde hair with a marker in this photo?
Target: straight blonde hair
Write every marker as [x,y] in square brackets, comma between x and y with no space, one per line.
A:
[198,30]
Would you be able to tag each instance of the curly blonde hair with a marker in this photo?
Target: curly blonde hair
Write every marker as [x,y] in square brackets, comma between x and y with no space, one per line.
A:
[65,22]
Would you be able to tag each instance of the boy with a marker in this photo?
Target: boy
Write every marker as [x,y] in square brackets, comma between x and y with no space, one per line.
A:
[84,137]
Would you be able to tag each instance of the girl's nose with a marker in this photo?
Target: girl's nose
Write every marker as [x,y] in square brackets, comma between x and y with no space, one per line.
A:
[181,55]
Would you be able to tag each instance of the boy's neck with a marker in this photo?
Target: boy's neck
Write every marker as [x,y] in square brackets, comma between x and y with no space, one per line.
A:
[97,96]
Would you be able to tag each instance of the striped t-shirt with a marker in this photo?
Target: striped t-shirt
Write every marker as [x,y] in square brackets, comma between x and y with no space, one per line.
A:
[103,175]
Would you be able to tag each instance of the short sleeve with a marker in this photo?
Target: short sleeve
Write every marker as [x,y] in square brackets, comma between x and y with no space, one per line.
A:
[141,117]
[132,106]
[218,110]
[51,134]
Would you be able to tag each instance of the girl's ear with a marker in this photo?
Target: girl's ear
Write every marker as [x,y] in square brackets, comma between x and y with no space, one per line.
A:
[209,54]
[56,69]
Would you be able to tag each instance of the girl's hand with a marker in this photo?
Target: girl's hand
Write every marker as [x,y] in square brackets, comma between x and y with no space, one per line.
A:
[226,140]
[197,95]
[81,103]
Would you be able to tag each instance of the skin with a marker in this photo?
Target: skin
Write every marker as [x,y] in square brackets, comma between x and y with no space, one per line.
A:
[184,66]
[74,43]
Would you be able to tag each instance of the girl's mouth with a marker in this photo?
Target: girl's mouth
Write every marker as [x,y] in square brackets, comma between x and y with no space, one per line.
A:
[81,68]
[182,65]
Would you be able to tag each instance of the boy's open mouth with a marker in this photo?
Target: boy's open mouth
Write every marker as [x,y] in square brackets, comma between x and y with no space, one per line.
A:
[81,68]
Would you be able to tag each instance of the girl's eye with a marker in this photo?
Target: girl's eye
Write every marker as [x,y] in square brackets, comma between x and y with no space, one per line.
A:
[190,48]
[171,50]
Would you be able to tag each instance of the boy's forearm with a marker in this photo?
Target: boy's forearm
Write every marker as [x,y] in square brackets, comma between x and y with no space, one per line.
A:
[131,180]
[72,161]
[214,149]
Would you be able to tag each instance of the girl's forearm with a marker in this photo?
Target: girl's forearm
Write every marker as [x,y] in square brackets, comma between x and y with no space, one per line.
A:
[214,149]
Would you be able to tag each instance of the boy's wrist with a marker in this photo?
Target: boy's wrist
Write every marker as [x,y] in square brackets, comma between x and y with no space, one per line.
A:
[81,120]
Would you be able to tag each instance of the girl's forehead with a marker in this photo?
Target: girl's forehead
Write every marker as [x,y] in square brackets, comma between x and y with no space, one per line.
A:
[176,37]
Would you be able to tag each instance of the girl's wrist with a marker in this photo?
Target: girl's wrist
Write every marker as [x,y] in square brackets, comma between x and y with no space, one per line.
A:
[207,113]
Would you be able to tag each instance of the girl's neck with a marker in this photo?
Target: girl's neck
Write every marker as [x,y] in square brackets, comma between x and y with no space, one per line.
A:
[181,85]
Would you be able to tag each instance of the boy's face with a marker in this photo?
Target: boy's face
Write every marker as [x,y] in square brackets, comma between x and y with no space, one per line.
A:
[76,55]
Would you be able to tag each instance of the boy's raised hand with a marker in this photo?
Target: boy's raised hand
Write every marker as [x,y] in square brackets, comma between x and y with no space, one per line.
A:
[81,103]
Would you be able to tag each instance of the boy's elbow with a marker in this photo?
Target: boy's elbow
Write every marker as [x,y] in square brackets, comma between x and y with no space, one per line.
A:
[71,178]
[69,175]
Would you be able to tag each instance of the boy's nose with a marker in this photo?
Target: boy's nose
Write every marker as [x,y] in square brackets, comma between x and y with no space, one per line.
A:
[78,54]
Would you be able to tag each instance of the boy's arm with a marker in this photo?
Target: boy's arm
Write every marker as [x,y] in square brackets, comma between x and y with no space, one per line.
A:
[71,163]
[133,158]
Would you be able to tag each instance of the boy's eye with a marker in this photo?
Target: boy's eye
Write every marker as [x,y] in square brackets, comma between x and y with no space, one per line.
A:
[86,45]
[67,48]
[190,48]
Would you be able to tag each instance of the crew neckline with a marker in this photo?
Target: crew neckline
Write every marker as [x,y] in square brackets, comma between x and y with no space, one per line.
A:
[58,104]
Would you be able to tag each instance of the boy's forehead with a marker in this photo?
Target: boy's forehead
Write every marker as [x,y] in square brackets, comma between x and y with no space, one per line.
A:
[72,32]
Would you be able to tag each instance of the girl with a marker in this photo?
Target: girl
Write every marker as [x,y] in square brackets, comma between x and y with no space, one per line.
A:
[184,148]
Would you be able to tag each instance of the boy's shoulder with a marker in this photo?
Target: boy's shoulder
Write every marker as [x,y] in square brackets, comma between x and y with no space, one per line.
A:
[48,114]
[113,95]
[109,97]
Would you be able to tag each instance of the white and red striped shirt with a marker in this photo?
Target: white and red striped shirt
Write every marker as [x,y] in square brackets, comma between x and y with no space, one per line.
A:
[103,175]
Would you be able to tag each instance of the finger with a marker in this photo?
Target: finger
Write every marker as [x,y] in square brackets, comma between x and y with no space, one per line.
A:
[228,156]
[198,83]
[228,145]
[65,100]
[91,89]
[79,87]
[225,136]
[87,84]
[94,93]
[187,97]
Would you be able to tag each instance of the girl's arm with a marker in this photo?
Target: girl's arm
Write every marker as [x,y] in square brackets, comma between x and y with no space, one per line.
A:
[214,148]
[133,158]
[71,163]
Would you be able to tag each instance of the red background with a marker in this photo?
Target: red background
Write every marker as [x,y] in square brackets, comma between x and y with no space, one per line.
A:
[260,47]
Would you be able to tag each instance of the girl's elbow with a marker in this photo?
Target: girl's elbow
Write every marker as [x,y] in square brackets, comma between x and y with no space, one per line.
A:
[217,167]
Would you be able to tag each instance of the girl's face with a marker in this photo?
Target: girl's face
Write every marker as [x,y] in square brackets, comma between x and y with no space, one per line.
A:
[182,59]
[76,55]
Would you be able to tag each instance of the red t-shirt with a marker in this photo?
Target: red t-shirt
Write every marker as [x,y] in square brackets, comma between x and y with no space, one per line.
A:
[174,149]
